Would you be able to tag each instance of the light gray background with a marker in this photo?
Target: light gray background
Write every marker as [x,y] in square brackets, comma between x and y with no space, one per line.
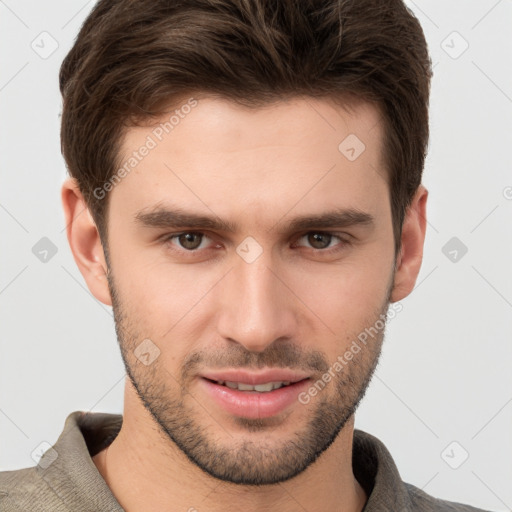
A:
[445,372]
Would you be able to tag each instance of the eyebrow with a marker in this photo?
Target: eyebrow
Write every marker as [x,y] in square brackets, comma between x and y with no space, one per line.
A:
[177,218]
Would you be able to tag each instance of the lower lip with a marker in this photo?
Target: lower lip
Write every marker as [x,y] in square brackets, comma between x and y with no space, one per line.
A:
[252,404]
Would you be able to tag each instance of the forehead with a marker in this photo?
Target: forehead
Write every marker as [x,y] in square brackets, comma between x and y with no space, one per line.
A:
[224,125]
[214,154]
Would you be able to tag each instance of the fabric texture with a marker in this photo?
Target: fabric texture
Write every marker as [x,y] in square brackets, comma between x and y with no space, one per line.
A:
[67,480]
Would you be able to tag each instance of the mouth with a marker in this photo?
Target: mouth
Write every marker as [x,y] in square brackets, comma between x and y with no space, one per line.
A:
[255,401]
[265,387]
[245,380]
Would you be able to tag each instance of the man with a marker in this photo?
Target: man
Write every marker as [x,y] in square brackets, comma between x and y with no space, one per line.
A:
[246,193]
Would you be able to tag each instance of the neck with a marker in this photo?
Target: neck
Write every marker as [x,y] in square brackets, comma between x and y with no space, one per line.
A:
[147,471]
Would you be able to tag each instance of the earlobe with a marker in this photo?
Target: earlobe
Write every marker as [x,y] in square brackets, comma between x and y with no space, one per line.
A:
[84,241]
[413,238]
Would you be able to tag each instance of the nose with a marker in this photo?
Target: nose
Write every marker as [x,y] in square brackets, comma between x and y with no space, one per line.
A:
[256,306]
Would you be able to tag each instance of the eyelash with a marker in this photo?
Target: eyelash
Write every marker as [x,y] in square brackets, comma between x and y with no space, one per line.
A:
[344,241]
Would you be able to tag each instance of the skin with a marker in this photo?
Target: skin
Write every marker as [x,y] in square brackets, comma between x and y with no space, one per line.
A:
[300,304]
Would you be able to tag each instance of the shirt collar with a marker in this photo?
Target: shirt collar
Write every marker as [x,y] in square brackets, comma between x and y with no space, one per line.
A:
[73,474]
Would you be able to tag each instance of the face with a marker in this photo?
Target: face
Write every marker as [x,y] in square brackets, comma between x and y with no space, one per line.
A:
[248,240]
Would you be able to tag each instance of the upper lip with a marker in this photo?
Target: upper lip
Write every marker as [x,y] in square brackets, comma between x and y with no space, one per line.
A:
[255,378]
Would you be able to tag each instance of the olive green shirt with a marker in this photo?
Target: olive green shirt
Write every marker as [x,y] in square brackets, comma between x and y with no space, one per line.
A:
[67,480]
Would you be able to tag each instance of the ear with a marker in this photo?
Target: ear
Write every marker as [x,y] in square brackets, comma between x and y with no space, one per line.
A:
[413,237]
[84,241]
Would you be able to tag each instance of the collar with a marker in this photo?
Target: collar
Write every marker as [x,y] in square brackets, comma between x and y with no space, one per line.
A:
[73,474]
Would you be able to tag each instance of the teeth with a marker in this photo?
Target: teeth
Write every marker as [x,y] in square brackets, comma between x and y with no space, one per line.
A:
[261,388]
[248,387]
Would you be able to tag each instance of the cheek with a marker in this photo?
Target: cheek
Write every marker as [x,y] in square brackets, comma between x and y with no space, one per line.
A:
[164,300]
[345,295]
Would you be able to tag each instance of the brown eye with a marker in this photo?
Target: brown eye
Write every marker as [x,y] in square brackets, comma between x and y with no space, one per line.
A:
[319,240]
[323,243]
[190,241]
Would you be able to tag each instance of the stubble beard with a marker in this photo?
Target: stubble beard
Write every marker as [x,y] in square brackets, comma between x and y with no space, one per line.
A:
[257,459]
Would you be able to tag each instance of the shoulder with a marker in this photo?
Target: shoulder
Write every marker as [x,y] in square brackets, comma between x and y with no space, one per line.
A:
[421,501]
[65,478]
[26,489]
[377,472]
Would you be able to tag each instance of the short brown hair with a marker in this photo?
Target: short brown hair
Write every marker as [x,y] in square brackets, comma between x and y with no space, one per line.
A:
[132,57]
